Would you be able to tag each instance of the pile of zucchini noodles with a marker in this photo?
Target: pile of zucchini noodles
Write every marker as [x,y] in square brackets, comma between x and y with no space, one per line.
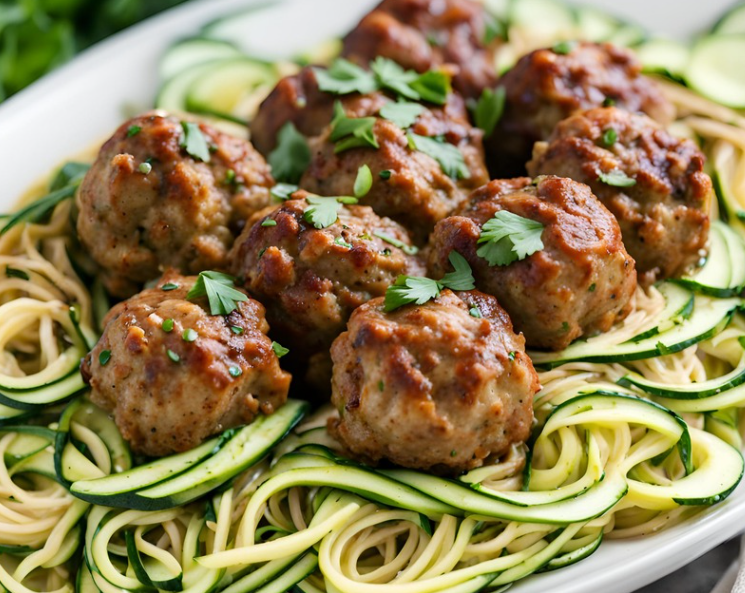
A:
[605,461]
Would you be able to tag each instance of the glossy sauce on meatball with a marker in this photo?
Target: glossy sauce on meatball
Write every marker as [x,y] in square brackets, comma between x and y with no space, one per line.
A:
[547,86]
[662,205]
[408,185]
[424,34]
[432,386]
[173,375]
[579,284]
[147,204]
[311,279]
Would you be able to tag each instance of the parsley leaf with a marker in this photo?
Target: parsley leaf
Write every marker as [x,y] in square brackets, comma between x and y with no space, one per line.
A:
[407,249]
[279,350]
[507,237]
[291,157]
[343,77]
[323,212]
[433,86]
[220,292]
[448,156]
[462,277]
[194,142]
[408,289]
[363,182]
[283,191]
[564,47]
[403,113]
[610,137]
[489,110]
[392,77]
[616,178]
[493,29]
[475,312]
[349,132]
[342,243]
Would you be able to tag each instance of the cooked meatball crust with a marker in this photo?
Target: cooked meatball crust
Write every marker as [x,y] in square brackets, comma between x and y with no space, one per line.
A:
[312,279]
[431,386]
[169,394]
[579,284]
[424,34]
[147,204]
[408,185]
[545,87]
[664,215]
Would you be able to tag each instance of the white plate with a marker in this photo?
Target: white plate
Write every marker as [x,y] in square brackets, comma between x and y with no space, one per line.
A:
[83,102]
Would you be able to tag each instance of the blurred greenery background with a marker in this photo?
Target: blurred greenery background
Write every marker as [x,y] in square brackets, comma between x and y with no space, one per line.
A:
[39,35]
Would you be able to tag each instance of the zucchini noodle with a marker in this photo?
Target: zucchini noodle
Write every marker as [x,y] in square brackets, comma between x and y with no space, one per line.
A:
[608,457]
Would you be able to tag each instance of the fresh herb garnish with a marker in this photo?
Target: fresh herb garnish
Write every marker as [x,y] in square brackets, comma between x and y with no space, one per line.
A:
[407,249]
[402,113]
[592,287]
[15,273]
[507,237]
[283,191]
[385,174]
[269,222]
[564,326]
[230,178]
[493,29]
[381,385]
[489,109]
[235,371]
[609,102]
[71,173]
[291,157]
[340,241]
[167,325]
[169,286]
[189,335]
[448,156]
[475,312]
[145,168]
[323,212]
[363,182]
[390,76]
[351,132]
[343,77]
[616,178]
[610,137]
[133,131]
[511,355]
[413,289]
[433,86]
[564,47]
[236,330]
[194,142]
[173,356]
[104,357]
[220,292]
[279,350]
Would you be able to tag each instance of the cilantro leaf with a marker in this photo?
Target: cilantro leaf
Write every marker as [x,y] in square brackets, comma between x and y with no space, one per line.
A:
[507,237]
[392,77]
[349,132]
[403,113]
[448,156]
[489,110]
[462,277]
[616,178]
[220,292]
[564,47]
[610,137]
[323,212]
[493,29]
[433,86]
[408,289]
[283,191]
[291,157]
[279,350]
[194,142]
[363,182]
[343,77]
[407,249]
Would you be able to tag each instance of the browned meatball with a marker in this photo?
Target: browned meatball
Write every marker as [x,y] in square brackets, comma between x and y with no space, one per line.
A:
[580,283]
[434,386]
[546,86]
[311,279]
[174,375]
[147,204]
[409,185]
[664,214]
[424,34]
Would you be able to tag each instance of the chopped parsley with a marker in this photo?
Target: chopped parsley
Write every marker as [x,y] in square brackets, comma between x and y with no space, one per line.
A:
[15,273]
[194,142]
[391,77]
[610,137]
[453,453]
[104,357]
[283,191]
[145,168]
[363,182]
[167,325]
[407,249]
[413,289]
[279,350]
[189,335]
[512,355]
[351,132]
[381,385]
[229,177]
[340,241]
[238,331]
[385,174]
[433,86]
[493,29]
[133,131]
[173,356]
[447,156]
[168,286]
[323,212]
[564,326]
[592,287]
[564,47]
[475,312]
[616,178]
[343,77]
[507,237]
[609,102]
[489,109]
[220,292]
[291,157]
[269,222]
[402,113]
[235,371]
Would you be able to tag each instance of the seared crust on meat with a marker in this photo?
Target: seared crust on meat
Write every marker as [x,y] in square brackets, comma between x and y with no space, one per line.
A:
[580,283]
[664,215]
[416,193]
[424,34]
[162,406]
[175,212]
[310,279]
[545,87]
[431,386]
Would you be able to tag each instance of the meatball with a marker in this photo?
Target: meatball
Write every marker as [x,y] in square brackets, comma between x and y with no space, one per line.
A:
[424,34]
[547,86]
[663,197]
[147,203]
[578,284]
[174,375]
[439,387]
[409,185]
[311,279]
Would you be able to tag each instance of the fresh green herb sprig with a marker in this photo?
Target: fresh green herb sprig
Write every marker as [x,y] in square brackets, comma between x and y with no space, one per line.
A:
[507,237]
[489,109]
[291,157]
[194,142]
[616,178]
[447,155]
[351,132]
[220,291]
